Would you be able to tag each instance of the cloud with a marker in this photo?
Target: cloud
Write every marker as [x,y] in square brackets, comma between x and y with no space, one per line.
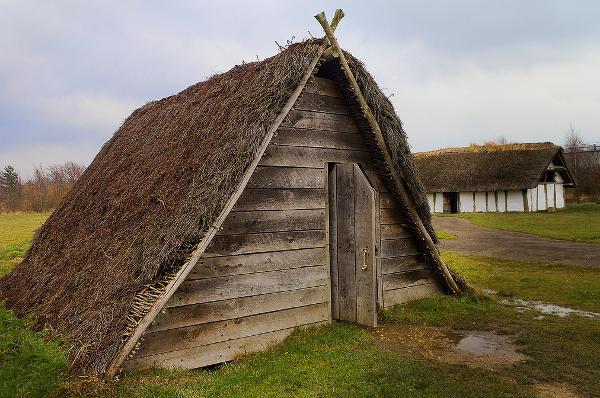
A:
[459,72]
[25,158]
[88,113]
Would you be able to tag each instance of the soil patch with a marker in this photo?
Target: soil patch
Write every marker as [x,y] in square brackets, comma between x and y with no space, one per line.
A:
[473,348]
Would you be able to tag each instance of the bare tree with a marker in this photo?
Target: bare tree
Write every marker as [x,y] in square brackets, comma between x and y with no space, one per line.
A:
[584,163]
[573,140]
[43,191]
[502,140]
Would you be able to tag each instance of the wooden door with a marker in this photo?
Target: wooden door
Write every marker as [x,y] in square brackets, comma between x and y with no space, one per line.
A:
[353,231]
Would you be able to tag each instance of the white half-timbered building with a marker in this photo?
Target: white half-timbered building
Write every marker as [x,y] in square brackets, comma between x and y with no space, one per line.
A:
[523,177]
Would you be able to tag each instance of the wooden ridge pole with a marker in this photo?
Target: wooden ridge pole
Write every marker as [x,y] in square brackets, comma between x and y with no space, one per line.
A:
[368,114]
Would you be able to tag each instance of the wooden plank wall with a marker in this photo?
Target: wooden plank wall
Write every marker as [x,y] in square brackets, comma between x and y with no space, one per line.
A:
[406,273]
[267,271]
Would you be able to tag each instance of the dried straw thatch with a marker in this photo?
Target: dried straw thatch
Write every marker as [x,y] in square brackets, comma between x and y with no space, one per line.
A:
[489,167]
[150,195]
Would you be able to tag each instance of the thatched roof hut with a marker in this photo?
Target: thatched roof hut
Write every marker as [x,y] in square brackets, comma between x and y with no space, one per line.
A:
[492,168]
[151,202]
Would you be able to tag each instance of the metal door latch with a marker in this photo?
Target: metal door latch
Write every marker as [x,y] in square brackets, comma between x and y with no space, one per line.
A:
[365,252]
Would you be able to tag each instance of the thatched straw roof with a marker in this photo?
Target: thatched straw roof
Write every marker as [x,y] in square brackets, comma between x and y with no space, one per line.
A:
[488,167]
[151,193]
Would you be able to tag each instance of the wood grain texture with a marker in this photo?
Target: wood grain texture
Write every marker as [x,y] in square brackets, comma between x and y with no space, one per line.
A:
[194,314]
[318,139]
[321,86]
[398,247]
[240,222]
[391,231]
[333,243]
[406,263]
[387,201]
[408,278]
[170,289]
[287,177]
[228,287]
[227,245]
[346,242]
[321,121]
[391,216]
[296,156]
[321,103]
[210,267]
[281,199]
[215,353]
[365,231]
[400,296]
[215,332]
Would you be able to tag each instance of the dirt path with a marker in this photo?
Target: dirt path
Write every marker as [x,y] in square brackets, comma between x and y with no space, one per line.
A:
[483,241]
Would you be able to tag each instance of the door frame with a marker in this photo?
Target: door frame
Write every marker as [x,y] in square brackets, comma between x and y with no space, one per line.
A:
[332,243]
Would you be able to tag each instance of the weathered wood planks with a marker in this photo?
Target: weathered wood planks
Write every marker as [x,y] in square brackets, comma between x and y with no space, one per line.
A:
[365,201]
[228,287]
[210,267]
[213,311]
[398,247]
[321,103]
[230,329]
[319,120]
[391,231]
[227,245]
[318,139]
[346,243]
[244,222]
[266,272]
[281,199]
[399,296]
[322,87]
[287,177]
[404,263]
[214,353]
[408,278]
[296,156]
[391,216]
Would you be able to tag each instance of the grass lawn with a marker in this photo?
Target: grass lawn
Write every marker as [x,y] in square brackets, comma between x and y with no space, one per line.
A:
[577,222]
[565,285]
[442,234]
[341,360]
[16,231]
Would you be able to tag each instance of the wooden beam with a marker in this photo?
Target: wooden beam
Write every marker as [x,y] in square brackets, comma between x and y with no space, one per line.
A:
[368,114]
[208,237]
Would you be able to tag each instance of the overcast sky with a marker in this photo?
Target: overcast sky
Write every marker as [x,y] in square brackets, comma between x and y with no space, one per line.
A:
[459,71]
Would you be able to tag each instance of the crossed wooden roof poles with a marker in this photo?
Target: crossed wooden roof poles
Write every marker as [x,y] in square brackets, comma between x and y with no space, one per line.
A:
[333,49]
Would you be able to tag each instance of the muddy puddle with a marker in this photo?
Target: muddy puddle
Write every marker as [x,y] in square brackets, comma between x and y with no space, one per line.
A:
[541,307]
[472,348]
[547,309]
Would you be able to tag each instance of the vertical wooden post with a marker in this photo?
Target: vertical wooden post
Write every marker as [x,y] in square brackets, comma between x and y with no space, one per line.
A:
[368,114]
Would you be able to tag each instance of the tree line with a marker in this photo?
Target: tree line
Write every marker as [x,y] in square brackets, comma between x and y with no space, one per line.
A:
[43,191]
[584,162]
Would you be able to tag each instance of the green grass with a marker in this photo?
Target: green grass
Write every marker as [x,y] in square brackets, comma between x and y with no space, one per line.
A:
[561,350]
[29,366]
[570,286]
[340,360]
[442,234]
[579,223]
[337,360]
[16,232]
